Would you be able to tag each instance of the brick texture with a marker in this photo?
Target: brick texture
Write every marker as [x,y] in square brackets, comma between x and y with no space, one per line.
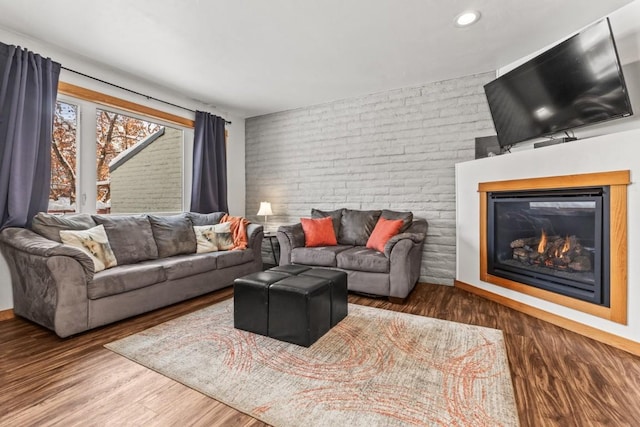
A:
[151,181]
[393,150]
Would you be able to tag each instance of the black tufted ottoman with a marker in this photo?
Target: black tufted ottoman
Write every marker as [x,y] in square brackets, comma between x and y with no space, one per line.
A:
[339,293]
[251,301]
[300,309]
[338,279]
[290,269]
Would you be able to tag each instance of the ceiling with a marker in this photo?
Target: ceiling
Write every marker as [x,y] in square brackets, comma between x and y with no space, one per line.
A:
[253,57]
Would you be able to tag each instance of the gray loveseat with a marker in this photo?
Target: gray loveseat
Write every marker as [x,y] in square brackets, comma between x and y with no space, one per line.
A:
[392,273]
[55,285]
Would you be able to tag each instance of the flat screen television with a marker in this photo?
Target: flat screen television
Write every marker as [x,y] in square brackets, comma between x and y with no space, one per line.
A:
[575,83]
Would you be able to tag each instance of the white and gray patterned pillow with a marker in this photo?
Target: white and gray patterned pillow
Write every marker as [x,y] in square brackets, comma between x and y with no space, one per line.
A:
[94,242]
[211,238]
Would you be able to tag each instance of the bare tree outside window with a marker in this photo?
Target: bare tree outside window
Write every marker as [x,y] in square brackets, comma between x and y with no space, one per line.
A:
[62,196]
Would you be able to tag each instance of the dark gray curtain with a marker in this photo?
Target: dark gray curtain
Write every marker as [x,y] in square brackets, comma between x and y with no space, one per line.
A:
[209,183]
[28,88]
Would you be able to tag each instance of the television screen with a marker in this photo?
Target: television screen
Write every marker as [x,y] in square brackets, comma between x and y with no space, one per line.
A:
[575,83]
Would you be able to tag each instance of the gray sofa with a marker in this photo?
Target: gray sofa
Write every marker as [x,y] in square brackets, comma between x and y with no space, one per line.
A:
[55,285]
[392,273]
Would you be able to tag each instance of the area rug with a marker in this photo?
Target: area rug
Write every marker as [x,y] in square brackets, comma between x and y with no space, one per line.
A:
[375,368]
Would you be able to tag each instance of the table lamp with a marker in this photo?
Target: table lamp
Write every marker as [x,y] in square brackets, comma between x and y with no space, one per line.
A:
[265,210]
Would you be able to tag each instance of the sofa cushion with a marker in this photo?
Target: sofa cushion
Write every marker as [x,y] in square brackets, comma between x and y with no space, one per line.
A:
[321,255]
[318,232]
[94,243]
[336,217]
[357,226]
[406,217]
[385,229]
[124,278]
[173,235]
[211,238]
[235,257]
[49,226]
[200,219]
[130,237]
[363,259]
[181,266]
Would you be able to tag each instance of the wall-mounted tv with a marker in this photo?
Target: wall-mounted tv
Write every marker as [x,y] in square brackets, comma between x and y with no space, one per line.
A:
[575,83]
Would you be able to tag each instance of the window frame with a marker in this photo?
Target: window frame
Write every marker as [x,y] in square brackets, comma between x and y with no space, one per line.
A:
[88,102]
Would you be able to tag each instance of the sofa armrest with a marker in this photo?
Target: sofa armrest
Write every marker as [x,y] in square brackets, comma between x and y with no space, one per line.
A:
[289,237]
[49,280]
[255,234]
[27,241]
[417,232]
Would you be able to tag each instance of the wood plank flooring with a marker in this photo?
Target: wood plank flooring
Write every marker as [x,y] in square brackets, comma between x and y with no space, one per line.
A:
[560,378]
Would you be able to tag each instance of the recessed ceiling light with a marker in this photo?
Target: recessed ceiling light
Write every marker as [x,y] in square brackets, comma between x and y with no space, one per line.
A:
[467,18]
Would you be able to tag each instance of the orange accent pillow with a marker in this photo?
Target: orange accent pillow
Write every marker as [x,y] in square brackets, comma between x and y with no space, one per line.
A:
[238,230]
[318,232]
[385,229]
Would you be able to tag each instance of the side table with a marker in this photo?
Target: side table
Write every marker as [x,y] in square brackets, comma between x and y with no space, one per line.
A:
[271,236]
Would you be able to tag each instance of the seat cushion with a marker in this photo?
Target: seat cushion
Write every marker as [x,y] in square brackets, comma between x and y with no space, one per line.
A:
[363,259]
[235,257]
[321,255]
[357,226]
[125,278]
[130,237]
[181,266]
[173,235]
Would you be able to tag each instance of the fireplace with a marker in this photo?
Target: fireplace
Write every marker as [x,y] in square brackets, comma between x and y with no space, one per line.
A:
[562,239]
[557,240]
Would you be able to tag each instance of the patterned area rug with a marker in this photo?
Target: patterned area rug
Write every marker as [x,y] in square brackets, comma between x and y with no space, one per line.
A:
[376,367]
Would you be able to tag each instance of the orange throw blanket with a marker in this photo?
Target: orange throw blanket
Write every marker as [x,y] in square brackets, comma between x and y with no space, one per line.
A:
[238,230]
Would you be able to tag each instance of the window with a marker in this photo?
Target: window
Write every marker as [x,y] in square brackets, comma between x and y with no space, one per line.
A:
[107,161]
[62,196]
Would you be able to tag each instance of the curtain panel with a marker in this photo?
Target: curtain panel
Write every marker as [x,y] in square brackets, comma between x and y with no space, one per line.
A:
[209,179]
[28,89]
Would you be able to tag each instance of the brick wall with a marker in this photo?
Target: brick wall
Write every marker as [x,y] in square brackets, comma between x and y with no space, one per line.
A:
[394,150]
[150,181]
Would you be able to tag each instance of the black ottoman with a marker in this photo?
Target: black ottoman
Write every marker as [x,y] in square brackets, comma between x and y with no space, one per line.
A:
[300,309]
[251,301]
[339,301]
[290,269]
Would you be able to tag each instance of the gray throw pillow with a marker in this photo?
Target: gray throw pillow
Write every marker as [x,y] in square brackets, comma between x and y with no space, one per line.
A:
[49,226]
[173,235]
[406,217]
[356,226]
[130,237]
[336,217]
[199,219]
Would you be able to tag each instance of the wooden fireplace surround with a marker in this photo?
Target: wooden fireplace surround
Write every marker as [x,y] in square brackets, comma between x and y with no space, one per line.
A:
[617,182]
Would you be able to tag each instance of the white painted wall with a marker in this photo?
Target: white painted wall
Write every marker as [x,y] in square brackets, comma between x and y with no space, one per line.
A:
[235,141]
[618,151]
[389,150]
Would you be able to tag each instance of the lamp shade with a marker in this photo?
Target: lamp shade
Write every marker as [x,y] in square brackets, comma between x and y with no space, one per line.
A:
[265,209]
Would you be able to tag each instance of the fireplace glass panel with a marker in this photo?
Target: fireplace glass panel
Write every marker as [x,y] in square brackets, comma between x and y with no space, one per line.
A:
[552,240]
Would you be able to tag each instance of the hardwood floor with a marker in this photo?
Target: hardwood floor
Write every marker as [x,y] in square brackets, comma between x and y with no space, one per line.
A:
[560,378]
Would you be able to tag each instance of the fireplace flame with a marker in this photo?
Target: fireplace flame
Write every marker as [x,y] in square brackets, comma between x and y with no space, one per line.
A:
[543,242]
[566,246]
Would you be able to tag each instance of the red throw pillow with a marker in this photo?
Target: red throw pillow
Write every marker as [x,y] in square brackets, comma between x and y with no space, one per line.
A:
[318,232]
[385,230]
